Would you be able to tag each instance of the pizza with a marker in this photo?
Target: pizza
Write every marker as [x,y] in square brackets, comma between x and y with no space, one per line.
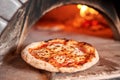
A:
[60,55]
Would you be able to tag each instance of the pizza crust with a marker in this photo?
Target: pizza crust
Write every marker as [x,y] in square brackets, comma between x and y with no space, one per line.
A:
[40,64]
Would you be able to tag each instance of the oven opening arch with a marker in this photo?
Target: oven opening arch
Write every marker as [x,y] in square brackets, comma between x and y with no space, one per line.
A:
[74,18]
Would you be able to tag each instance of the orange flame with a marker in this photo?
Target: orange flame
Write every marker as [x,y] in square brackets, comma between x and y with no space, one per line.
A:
[84,10]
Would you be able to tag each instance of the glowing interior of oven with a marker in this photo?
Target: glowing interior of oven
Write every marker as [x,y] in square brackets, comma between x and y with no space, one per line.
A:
[70,21]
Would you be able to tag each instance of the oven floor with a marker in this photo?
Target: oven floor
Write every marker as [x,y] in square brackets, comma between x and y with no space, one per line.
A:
[108,67]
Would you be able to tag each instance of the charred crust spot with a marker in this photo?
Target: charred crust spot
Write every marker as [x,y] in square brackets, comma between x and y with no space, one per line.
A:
[46,41]
[85,43]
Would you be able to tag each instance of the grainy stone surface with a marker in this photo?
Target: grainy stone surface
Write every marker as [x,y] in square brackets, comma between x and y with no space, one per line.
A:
[17,69]
[108,66]
[14,68]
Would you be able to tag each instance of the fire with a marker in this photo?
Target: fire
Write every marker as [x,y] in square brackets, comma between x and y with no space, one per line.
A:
[85,10]
[81,19]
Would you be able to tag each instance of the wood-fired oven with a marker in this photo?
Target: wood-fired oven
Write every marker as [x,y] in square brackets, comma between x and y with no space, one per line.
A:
[26,21]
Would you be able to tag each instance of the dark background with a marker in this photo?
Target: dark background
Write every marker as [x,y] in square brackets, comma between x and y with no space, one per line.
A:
[116,3]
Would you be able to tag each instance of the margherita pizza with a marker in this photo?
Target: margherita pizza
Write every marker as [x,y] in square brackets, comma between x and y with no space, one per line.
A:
[60,55]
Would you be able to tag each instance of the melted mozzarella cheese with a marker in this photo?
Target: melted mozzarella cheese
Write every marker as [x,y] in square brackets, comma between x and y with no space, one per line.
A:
[78,52]
[43,53]
[67,54]
[55,47]
[80,58]
[60,59]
